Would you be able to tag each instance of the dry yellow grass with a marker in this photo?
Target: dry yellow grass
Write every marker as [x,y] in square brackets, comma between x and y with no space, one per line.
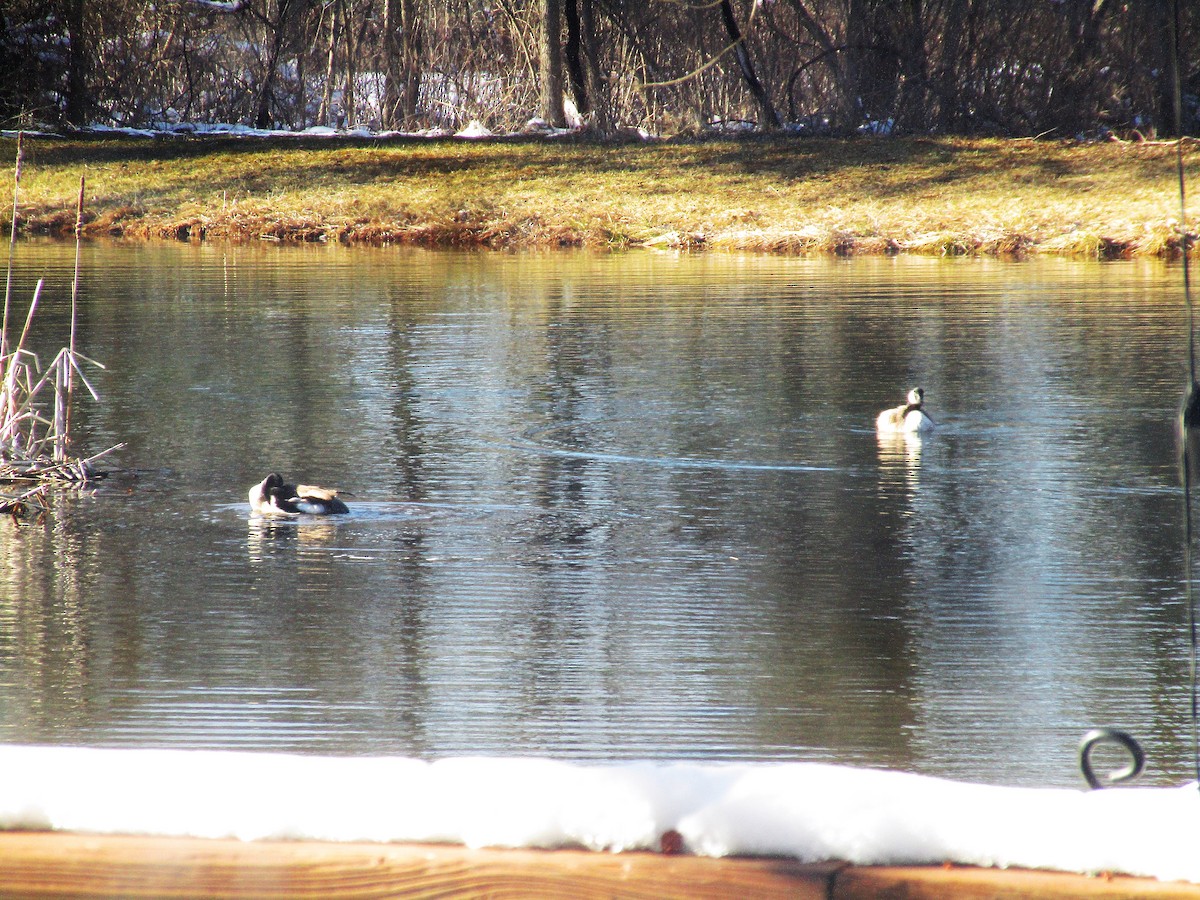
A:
[782,195]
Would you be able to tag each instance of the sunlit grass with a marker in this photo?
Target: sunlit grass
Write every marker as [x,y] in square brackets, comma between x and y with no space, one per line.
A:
[933,196]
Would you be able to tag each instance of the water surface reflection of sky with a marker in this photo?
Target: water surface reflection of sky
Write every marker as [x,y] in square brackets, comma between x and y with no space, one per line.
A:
[612,507]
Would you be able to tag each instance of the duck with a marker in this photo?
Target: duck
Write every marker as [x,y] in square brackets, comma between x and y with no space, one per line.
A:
[909,418]
[273,497]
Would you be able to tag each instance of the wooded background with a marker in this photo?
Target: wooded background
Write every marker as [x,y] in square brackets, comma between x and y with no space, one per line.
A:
[1006,67]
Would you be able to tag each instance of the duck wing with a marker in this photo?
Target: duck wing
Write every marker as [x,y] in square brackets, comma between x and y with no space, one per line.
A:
[891,419]
[317,501]
[314,492]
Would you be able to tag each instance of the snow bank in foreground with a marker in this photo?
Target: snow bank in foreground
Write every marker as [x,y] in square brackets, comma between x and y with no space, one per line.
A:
[809,811]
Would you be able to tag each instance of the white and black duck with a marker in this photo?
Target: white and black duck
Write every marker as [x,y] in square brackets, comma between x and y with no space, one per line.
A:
[273,497]
[908,418]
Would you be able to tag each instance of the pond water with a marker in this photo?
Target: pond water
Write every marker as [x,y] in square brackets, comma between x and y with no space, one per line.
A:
[611,508]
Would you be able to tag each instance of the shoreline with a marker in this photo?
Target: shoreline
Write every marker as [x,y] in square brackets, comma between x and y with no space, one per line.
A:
[781,195]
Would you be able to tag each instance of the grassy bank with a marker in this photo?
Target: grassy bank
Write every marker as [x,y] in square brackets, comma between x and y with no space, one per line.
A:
[867,195]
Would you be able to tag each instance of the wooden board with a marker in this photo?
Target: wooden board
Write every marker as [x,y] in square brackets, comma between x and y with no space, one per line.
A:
[53,865]
[71,865]
[965,883]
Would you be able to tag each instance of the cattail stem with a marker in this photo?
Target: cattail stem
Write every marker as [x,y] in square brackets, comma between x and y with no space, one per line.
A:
[70,367]
[12,245]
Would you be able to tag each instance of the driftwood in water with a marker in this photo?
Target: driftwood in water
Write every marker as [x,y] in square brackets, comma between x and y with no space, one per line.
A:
[48,469]
[26,505]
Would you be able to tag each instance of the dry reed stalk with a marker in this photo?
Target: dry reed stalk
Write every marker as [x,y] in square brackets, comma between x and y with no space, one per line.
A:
[33,447]
[14,402]
[61,448]
[12,246]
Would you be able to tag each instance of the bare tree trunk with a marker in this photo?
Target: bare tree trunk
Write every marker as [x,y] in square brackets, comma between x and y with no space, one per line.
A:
[349,102]
[326,114]
[912,106]
[401,62]
[574,57]
[955,52]
[583,65]
[277,28]
[599,102]
[552,64]
[1074,103]
[1169,108]
[846,109]
[410,58]
[78,102]
[301,96]
[770,117]
[389,39]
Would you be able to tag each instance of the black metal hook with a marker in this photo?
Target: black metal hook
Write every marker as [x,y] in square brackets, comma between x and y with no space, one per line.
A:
[1137,757]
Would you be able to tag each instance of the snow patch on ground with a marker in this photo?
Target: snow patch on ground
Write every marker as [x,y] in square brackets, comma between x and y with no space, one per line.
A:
[474,130]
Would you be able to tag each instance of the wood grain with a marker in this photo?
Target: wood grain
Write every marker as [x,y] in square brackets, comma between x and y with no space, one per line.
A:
[54,865]
[966,883]
[36,865]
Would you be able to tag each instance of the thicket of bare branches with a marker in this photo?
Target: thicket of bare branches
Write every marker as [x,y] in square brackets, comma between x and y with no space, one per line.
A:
[972,66]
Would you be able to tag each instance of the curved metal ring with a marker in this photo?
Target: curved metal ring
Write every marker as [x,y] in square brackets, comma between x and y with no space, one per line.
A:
[1137,757]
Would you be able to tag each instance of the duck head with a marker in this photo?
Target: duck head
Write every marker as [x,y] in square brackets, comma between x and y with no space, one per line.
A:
[262,492]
